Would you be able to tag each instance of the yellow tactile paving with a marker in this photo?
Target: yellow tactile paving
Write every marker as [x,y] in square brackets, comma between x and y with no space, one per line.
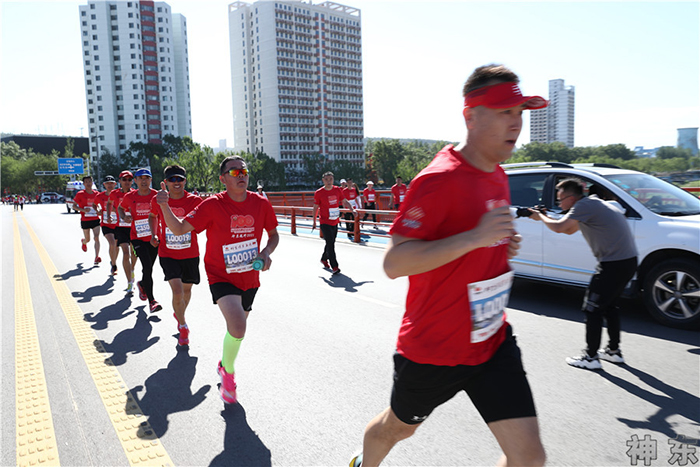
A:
[35,438]
[141,445]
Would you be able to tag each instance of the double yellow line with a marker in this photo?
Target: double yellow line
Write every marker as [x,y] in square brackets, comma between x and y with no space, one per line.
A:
[35,437]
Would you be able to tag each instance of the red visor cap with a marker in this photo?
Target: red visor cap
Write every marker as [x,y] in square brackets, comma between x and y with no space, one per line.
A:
[126,173]
[503,96]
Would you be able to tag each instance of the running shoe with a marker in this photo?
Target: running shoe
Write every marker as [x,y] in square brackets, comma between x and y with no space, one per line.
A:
[336,271]
[184,337]
[585,361]
[98,260]
[130,288]
[227,390]
[142,293]
[325,264]
[83,245]
[155,306]
[356,460]
[613,356]
[114,269]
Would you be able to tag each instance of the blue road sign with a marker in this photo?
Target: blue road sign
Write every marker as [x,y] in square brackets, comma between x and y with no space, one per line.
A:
[70,165]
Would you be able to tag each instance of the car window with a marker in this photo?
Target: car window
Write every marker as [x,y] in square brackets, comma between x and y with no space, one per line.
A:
[526,189]
[657,195]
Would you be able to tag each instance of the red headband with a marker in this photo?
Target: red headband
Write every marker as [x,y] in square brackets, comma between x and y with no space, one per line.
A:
[503,96]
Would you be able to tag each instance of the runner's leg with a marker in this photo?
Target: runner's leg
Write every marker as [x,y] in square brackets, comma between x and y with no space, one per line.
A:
[231,307]
[96,233]
[113,249]
[519,439]
[382,434]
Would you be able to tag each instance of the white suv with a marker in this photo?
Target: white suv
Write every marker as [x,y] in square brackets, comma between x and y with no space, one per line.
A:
[664,219]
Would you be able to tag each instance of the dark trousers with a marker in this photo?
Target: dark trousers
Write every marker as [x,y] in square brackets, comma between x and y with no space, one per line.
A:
[372,206]
[606,286]
[147,255]
[329,234]
[349,226]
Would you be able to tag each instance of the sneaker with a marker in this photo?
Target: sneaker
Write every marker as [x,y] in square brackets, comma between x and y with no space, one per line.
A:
[114,269]
[98,260]
[584,361]
[83,245]
[184,337]
[142,293]
[325,264]
[336,271]
[356,460]
[613,356]
[155,306]
[228,386]
[130,288]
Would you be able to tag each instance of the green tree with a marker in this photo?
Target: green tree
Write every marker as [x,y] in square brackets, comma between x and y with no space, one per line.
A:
[669,152]
[386,156]
[109,164]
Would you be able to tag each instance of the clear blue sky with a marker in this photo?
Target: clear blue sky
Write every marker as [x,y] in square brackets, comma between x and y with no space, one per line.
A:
[635,65]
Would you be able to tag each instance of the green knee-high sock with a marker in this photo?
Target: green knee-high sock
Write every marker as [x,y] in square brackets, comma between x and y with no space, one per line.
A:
[231,347]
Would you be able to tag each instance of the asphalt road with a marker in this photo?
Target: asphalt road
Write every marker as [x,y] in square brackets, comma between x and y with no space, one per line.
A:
[316,366]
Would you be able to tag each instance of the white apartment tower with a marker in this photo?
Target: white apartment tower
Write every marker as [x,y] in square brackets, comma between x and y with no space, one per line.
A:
[136,73]
[556,121]
[296,75]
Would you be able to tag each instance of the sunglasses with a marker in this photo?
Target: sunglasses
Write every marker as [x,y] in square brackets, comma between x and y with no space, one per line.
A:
[127,179]
[237,172]
[175,179]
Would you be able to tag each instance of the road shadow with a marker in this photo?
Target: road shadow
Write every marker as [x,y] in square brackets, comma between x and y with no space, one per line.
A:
[109,313]
[168,391]
[341,281]
[671,402]
[556,301]
[242,446]
[78,271]
[134,340]
[95,291]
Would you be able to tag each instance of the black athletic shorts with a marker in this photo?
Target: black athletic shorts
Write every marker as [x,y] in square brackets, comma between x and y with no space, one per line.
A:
[221,289]
[185,269]
[108,230]
[85,225]
[498,388]
[123,235]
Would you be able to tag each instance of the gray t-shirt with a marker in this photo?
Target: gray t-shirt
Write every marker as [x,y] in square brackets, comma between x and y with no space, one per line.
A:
[605,229]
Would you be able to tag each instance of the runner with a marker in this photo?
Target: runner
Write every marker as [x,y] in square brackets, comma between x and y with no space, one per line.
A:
[454,335]
[234,221]
[123,230]
[350,193]
[327,199]
[369,197]
[178,254]
[138,203]
[108,219]
[89,221]
[398,192]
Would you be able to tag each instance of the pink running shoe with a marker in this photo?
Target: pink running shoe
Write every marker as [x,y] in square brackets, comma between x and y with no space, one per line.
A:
[184,337]
[228,386]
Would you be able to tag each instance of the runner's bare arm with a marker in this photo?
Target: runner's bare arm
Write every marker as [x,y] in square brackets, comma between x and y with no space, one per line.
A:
[273,239]
[153,225]
[177,226]
[406,256]
[315,214]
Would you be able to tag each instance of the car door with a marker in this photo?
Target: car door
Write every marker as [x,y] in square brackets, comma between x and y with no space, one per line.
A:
[526,190]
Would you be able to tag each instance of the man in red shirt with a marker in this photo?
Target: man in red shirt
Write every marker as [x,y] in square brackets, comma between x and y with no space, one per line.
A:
[234,221]
[350,193]
[454,335]
[369,197]
[89,220]
[108,219]
[138,204]
[398,192]
[178,254]
[122,232]
[327,200]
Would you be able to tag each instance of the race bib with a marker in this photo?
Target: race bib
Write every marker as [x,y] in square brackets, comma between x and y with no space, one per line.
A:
[90,211]
[370,198]
[177,242]
[238,257]
[333,213]
[123,223]
[142,228]
[401,198]
[109,219]
[488,300]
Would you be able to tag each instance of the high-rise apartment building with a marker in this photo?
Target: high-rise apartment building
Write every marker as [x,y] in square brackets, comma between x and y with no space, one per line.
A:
[136,73]
[296,73]
[556,121]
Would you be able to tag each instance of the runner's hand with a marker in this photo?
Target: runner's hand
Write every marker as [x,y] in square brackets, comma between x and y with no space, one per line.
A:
[162,195]
[514,245]
[494,226]
[266,260]
[154,241]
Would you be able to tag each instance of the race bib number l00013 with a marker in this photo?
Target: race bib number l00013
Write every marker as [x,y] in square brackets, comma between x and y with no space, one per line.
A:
[488,300]
[238,257]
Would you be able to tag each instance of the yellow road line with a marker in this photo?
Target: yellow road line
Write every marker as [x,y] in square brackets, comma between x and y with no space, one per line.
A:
[140,443]
[35,438]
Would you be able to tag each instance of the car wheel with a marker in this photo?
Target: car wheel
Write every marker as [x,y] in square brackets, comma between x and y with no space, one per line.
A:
[672,293]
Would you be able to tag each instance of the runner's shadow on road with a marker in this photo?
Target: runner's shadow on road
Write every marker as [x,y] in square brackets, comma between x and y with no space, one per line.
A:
[78,271]
[242,446]
[134,340]
[96,291]
[109,313]
[341,281]
[672,402]
[168,391]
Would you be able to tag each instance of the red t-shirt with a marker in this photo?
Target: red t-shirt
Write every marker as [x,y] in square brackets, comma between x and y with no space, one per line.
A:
[117,196]
[177,246]
[329,202]
[439,326]
[350,194]
[370,195]
[399,192]
[85,200]
[101,201]
[139,207]
[234,230]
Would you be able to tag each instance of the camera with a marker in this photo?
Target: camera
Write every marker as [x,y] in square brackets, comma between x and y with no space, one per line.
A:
[525,212]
